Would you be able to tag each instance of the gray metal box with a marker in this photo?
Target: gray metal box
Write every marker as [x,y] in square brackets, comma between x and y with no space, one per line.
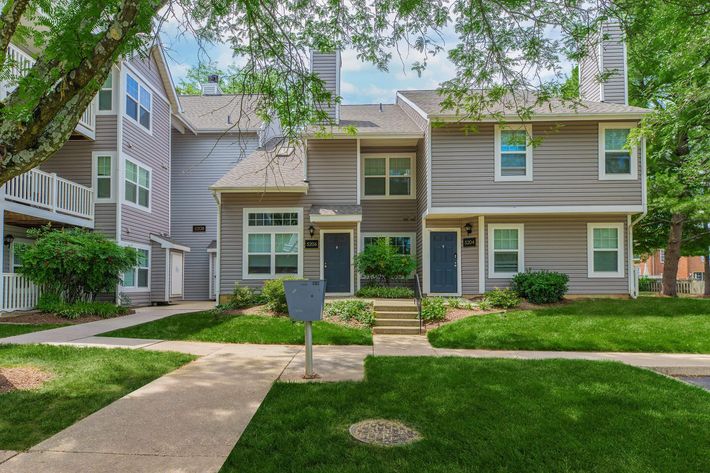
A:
[305,299]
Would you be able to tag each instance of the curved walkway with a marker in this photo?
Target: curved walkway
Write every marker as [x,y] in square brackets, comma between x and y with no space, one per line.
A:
[190,419]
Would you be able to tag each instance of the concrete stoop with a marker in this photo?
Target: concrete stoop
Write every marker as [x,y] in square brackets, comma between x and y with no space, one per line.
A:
[396,317]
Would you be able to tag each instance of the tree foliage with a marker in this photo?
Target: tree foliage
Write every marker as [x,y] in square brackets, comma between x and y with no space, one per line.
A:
[73,264]
[383,262]
[230,80]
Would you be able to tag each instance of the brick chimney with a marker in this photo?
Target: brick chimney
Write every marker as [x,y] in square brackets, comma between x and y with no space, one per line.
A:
[609,57]
[327,66]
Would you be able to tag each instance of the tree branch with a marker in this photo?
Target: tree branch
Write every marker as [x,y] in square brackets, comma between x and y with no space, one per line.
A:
[9,19]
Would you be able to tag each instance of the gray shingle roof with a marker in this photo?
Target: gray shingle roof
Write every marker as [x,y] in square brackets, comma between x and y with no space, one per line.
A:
[221,112]
[267,168]
[429,101]
[370,120]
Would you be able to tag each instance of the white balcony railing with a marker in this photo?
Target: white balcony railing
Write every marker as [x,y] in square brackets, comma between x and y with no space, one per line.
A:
[18,293]
[51,192]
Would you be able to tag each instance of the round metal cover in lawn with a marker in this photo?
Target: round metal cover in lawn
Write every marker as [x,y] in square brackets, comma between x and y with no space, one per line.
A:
[382,432]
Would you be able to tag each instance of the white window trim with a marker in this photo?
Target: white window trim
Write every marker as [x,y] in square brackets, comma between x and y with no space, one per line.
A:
[387,157]
[619,273]
[528,153]
[135,205]
[603,176]
[95,177]
[114,107]
[133,289]
[246,230]
[411,235]
[353,274]
[124,90]
[492,274]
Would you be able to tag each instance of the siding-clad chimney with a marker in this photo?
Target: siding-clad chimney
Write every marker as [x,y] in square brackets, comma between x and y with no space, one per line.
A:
[212,86]
[327,66]
[608,58]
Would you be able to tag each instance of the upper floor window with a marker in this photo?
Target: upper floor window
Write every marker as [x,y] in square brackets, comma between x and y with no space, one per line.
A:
[137,185]
[388,176]
[605,246]
[106,95]
[616,161]
[513,153]
[272,243]
[505,250]
[103,176]
[138,102]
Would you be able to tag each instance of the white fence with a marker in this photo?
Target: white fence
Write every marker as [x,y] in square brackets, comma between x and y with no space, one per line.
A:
[50,192]
[685,286]
[18,293]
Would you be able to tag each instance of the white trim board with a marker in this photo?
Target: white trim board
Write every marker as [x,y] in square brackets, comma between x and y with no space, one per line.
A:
[619,273]
[353,274]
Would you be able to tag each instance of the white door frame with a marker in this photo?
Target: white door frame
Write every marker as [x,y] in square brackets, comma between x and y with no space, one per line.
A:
[182,274]
[352,256]
[426,259]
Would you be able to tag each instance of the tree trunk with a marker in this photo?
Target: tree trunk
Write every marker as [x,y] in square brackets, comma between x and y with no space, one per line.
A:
[670,267]
[706,276]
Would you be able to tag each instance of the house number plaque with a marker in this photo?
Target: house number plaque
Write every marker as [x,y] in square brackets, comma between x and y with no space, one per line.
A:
[311,243]
[469,242]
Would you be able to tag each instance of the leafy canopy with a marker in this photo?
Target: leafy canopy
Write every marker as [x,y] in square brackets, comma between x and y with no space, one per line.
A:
[383,262]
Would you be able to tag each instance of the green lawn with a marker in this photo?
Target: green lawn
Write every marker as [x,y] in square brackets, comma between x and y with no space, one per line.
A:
[648,324]
[10,330]
[205,327]
[85,380]
[480,415]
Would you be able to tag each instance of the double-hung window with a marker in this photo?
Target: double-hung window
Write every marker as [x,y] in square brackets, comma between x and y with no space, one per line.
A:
[388,176]
[505,250]
[137,185]
[513,153]
[616,159]
[403,242]
[137,277]
[106,95]
[605,245]
[138,102]
[103,176]
[272,243]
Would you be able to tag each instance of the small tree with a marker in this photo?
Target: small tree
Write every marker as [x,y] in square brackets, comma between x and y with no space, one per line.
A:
[75,263]
[383,262]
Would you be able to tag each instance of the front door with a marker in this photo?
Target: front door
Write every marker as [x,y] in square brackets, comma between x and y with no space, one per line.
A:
[176,269]
[443,263]
[336,262]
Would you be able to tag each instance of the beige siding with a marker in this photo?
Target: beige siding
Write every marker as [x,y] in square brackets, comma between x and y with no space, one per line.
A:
[560,244]
[565,170]
[332,171]
[105,219]
[589,71]
[614,61]
[389,216]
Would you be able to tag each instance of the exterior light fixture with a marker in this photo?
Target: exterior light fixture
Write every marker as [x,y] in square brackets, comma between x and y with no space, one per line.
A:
[8,239]
[468,227]
[311,230]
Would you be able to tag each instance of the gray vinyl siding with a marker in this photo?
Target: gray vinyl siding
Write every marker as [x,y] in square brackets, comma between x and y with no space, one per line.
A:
[558,243]
[613,60]
[198,161]
[389,216]
[157,272]
[565,170]
[332,172]
[147,68]
[138,299]
[589,71]
[105,219]
[326,66]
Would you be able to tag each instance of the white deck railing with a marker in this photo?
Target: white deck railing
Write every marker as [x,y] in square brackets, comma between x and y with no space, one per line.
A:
[51,192]
[18,293]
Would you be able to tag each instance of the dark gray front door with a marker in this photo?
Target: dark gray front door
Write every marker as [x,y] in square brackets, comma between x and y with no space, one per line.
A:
[443,268]
[336,262]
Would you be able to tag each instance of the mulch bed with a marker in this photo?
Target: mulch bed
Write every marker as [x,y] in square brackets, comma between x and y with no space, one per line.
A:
[22,378]
[39,318]
[457,314]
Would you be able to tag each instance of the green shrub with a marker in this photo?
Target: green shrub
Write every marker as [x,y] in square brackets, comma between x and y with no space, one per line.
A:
[502,299]
[540,287]
[242,296]
[75,264]
[459,303]
[351,309]
[383,262]
[386,292]
[275,295]
[433,309]
[53,304]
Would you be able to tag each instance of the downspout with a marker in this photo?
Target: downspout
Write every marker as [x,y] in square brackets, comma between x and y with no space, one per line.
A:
[218,265]
[119,164]
[633,283]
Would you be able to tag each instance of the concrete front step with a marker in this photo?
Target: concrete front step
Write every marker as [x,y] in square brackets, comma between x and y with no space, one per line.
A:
[395,307]
[396,315]
[396,322]
[396,330]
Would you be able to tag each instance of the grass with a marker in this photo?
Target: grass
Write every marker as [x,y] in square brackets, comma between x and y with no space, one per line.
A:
[205,327]
[10,330]
[85,380]
[648,324]
[480,415]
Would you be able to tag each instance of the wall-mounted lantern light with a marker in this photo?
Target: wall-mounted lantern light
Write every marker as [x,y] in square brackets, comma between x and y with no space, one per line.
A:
[8,239]
[311,230]
[468,227]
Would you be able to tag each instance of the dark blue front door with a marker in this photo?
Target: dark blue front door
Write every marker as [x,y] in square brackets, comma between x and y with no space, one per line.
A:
[443,264]
[336,262]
